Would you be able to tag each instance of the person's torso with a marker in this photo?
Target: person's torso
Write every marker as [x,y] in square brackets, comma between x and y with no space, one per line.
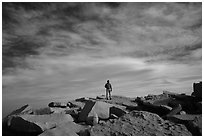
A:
[108,86]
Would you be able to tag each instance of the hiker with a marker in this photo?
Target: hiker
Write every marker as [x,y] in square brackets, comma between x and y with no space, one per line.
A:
[108,90]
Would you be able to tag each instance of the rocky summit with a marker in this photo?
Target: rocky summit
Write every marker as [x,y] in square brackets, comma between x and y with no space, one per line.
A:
[166,114]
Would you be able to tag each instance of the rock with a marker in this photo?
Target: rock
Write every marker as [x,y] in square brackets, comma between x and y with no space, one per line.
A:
[20,125]
[182,113]
[182,118]
[140,100]
[119,100]
[169,93]
[92,120]
[65,129]
[160,110]
[91,107]
[42,111]
[195,126]
[167,107]
[84,132]
[113,116]
[36,123]
[102,122]
[83,99]
[132,108]
[175,110]
[198,107]
[77,104]
[73,111]
[117,111]
[59,110]
[26,109]
[95,119]
[164,101]
[139,123]
[192,122]
[101,97]
[197,88]
[57,104]
[102,109]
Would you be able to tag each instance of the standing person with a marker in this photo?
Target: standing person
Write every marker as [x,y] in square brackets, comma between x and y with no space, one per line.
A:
[108,90]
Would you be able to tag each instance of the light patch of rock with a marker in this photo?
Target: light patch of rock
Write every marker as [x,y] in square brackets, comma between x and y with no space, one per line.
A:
[36,123]
[65,129]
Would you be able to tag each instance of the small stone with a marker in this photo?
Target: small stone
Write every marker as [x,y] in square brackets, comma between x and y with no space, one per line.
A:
[182,113]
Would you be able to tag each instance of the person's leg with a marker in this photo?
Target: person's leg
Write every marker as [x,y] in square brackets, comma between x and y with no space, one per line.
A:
[107,94]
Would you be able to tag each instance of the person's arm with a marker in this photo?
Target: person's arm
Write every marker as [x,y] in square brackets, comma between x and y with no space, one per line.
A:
[111,87]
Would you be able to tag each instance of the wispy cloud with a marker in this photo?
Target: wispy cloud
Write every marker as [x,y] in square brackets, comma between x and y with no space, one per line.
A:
[60,49]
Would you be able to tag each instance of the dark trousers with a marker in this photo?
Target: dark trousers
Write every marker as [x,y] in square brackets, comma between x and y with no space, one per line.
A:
[108,94]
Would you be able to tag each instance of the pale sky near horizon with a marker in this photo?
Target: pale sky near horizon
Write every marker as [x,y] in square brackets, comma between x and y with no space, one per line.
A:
[60,51]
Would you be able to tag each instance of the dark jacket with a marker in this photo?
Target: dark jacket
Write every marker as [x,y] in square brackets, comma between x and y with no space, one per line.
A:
[108,86]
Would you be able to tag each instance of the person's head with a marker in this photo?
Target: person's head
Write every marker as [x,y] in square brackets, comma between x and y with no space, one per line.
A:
[107,81]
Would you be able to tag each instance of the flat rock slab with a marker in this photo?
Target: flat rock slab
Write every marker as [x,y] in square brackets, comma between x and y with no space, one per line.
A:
[36,123]
[102,109]
[42,111]
[120,100]
[65,129]
[139,123]
[182,118]
[26,109]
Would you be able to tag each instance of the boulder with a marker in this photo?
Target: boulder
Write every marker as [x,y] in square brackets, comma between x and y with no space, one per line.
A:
[139,123]
[92,120]
[192,122]
[57,104]
[26,109]
[199,107]
[91,107]
[160,110]
[36,123]
[197,88]
[18,124]
[195,126]
[65,129]
[102,109]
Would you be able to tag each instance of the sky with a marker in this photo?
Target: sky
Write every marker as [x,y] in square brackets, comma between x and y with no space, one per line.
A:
[62,51]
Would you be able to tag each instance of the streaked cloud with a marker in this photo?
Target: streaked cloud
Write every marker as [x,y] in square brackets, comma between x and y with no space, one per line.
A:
[71,49]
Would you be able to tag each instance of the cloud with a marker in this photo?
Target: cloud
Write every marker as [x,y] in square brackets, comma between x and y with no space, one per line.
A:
[71,49]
